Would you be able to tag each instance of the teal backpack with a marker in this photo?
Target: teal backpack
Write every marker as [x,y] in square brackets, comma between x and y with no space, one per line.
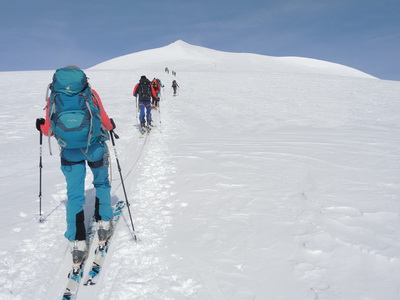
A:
[74,117]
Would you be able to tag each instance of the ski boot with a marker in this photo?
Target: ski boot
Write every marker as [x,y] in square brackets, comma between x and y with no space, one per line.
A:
[79,254]
[104,231]
[142,127]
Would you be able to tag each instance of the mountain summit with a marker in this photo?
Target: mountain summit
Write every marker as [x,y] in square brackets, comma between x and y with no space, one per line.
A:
[184,56]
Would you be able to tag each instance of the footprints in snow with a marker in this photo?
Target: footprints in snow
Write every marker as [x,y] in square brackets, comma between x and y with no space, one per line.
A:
[153,203]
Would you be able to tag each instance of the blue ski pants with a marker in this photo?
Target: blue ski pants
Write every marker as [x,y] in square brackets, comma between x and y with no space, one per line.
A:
[145,109]
[73,165]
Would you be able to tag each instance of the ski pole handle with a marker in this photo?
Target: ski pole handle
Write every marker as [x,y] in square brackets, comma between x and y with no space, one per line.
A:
[112,134]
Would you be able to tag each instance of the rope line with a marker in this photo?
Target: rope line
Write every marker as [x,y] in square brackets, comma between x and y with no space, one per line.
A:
[133,166]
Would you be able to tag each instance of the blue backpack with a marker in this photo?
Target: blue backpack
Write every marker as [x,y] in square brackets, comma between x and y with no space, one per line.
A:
[74,117]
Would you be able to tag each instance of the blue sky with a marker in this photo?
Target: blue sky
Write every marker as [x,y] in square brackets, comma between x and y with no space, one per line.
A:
[45,35]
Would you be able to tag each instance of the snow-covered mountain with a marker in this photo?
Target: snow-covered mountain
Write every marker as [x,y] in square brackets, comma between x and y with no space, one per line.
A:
[265,178]
[187,57]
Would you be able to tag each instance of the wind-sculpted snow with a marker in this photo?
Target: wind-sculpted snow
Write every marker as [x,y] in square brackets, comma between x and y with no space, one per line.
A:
[266,178]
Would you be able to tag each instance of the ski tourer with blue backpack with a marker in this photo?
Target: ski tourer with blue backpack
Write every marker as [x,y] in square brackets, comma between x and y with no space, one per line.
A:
[75,116]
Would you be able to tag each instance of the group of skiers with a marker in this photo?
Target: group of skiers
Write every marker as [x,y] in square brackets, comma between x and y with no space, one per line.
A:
[148,95]
[167,71]
[76,117]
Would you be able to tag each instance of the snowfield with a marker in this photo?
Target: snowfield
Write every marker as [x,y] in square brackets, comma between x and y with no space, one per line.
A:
[265,178]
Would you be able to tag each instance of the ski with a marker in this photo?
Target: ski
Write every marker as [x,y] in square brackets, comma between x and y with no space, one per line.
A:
[102,249]
[75,275]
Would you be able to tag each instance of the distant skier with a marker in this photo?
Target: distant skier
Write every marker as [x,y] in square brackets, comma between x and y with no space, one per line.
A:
[144,92]
[175,86]
[80,142]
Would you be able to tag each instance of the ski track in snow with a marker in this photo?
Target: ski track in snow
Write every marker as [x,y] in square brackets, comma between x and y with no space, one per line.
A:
[136,270]
[288,191]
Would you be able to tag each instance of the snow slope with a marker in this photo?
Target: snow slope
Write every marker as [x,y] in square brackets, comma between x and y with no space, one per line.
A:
[265,178]
[186,57]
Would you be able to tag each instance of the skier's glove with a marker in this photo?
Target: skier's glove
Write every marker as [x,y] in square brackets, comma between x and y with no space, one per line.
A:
[113,124]
[39,122]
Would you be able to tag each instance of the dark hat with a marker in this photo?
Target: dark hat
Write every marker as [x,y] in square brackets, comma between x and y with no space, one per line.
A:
[143,78]
[72,67]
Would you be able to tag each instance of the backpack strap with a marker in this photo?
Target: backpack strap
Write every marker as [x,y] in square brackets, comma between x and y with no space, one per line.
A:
[65,162]
[91,119]
[48,103]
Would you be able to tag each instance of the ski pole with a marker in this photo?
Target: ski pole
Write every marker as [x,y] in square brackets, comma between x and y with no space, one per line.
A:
[137,110]
[159,114]
[41,219]
[112,134]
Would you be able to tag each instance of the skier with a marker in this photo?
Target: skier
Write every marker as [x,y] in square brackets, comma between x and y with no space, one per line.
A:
[73,166]
[157,85]
[144,91]
[175,86]
[160,83]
